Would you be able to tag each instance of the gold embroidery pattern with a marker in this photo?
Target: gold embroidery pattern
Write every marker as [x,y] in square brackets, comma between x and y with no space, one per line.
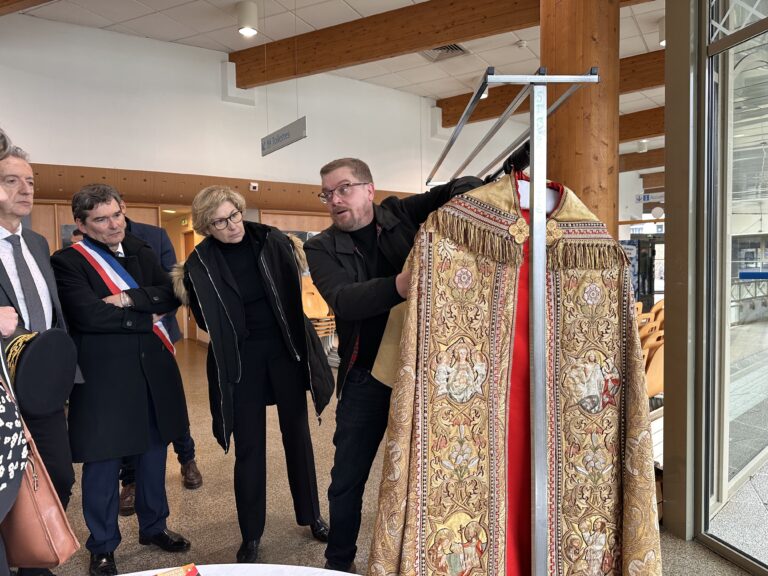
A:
[448,405]
[554,232]
[600,428]
[519,230]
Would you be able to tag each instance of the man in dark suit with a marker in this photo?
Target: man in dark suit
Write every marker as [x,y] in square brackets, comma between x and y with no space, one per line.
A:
[28,298]
[184,447]
[113,293]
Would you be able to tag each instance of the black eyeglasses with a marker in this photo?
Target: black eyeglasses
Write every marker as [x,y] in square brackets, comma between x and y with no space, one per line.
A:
[342,190]
[222,223]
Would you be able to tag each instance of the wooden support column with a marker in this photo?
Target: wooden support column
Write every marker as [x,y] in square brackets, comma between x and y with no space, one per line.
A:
[583,137]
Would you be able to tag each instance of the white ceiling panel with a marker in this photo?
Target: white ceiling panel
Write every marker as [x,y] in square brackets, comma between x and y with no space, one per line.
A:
[466,64]
[529,33]
[160,27]
[445,87]
[162,4]
[295,4]
[649,21]
[631,97]
[65,11]
[506,55]
[534,46]
[204,41]
[233,40]
[636,105]
[652,41]
[420,89]
[285,25]
[116,11]
[327,14]
[392,80]
[654,6]
[404,62]
[371,7]
[491,42]
[632,46]
[423,74]
[266,7]
[522,67]
[652,143]
[201,16]
[628,28]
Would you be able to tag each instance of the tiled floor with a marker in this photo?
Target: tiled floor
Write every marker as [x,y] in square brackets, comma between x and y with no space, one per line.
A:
[207,516]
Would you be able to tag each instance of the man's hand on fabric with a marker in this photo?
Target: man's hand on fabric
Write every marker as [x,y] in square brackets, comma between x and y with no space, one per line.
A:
[403,282]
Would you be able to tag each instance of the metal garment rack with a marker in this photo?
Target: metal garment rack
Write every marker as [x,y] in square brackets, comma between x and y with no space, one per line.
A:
[534,86]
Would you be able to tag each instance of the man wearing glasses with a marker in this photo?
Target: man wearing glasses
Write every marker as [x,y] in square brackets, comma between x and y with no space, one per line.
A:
[357,265]
[114,293]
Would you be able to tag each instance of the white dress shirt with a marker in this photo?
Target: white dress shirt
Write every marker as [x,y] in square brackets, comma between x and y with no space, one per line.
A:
[6,256]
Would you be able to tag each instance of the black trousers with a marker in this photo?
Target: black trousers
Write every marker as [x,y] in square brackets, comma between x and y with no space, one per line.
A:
[361,420]
[270,375]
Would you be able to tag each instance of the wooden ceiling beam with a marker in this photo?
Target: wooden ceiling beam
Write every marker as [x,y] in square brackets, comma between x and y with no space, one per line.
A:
[636,73]
[653,181]
[640,125]
[641,160]
[11,6]
[385,35]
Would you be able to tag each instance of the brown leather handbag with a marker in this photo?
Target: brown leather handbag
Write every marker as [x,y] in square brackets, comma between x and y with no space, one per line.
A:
[36,531]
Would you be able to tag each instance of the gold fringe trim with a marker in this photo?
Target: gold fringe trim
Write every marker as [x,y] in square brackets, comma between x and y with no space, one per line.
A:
[586,255]
[499,246]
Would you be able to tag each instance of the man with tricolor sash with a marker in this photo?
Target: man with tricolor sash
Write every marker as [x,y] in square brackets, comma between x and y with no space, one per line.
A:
[114,293]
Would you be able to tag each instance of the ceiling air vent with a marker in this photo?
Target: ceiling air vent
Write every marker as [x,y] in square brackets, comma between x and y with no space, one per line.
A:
[443,52]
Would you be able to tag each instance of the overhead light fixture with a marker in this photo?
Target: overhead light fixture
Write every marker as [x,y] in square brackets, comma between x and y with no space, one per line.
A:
[170,211]
[484,95]
[247,19]
[663,31]
[642,146]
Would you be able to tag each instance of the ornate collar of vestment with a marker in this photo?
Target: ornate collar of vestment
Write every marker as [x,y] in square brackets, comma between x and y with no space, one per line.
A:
[488,220]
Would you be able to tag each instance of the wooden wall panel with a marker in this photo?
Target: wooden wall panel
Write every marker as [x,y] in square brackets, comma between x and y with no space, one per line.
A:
[296,221]
[43,221]
[642,160]
[54,182]
[653,180]
[643,124]
[144,214]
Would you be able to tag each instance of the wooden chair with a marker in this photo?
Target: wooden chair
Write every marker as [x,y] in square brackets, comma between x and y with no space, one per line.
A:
[647,329]
[654,376]
[638,308]
[658,306]
[652,343]
[660,317]
[314,305]
[643,319]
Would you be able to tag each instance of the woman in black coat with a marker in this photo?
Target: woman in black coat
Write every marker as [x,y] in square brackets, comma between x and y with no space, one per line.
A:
[243,285]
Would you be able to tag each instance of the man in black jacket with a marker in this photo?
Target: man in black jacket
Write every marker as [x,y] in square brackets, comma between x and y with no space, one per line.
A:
[357,265]
[113,293]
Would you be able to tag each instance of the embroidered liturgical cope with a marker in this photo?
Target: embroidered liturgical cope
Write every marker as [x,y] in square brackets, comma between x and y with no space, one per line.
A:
[444,500]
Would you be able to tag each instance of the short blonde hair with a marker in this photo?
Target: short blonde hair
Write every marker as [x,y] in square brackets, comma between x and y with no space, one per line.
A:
[208,201]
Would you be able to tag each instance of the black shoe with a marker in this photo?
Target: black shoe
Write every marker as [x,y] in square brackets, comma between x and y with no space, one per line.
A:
[102,565]
[351,568]
[249,552]
[167,540]
[319,529]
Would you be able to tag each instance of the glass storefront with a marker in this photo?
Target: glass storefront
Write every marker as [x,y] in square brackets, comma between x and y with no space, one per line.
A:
[737,393]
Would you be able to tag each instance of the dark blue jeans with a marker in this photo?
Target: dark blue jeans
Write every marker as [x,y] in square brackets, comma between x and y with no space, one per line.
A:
[361,420]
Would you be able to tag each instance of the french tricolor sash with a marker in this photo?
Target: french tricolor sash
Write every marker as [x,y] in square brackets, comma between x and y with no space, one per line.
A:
[117,280]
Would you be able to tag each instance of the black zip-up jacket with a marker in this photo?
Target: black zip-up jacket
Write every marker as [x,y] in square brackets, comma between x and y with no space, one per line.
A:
[208,287]
[339,272]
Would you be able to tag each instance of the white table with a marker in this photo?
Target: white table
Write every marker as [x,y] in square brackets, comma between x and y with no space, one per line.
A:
[247,570]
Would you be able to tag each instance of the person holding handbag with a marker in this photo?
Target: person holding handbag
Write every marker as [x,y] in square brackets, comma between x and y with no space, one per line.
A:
[12,442]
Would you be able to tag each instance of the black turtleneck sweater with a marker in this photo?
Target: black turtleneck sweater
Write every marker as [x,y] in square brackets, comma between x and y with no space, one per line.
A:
[371,329]
[241,258]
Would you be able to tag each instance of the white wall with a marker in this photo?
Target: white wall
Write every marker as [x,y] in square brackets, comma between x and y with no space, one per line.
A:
[630,185]
[79,96]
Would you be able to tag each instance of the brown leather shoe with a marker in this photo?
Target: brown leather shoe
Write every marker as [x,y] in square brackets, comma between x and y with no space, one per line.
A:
[128,500]
[190,475]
